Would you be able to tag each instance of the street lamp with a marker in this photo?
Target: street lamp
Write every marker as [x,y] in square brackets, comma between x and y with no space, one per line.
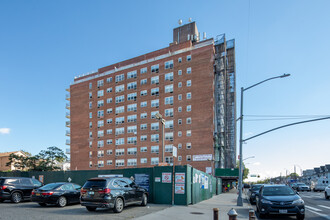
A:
[248,158]
[160,118]
[240,183]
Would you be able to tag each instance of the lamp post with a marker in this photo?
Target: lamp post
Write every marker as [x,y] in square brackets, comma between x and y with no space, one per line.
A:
[160,118]
[248,158]
[240,182]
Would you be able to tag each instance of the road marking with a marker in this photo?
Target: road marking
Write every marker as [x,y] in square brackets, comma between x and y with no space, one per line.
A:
[312,208]
[323,206]
[323,215]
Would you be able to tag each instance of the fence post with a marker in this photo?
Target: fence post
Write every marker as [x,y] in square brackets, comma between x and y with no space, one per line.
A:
[215,213]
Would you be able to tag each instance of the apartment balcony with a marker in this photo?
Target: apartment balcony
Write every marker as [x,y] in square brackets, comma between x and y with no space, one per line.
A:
[67,142]
[67,115]
[67,133]
[67,106]
[67,124]
[67,150]
[68,89]
[67,97]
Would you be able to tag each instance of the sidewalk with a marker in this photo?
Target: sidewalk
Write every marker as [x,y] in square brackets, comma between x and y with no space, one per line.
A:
[204,209]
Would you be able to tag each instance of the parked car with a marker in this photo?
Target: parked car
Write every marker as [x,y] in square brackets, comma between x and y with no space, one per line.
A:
[253,192]
[279,200]
[60,194]
[302,187]
[17,189]
[115,193]
[327,192]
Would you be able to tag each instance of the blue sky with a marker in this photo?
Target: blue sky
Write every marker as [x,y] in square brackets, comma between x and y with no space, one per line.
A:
[45,44]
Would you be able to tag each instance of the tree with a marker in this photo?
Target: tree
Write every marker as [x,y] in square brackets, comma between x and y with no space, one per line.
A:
[245,170]
[50,157]
[18,161]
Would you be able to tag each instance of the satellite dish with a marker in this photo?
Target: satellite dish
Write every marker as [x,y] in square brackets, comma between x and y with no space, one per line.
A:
[180,22]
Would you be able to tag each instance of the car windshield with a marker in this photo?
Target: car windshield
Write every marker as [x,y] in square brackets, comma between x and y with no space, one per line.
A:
[51,186]
[278,191]
[256,188]
[95,183]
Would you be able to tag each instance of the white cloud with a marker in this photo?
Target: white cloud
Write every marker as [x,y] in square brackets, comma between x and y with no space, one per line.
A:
[4,130]
[256,164]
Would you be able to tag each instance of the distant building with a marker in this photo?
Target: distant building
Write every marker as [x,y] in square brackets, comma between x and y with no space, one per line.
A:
[191,84]
[4,159]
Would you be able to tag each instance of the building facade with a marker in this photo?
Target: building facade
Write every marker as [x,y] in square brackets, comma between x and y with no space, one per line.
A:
[4,159]
[191,84]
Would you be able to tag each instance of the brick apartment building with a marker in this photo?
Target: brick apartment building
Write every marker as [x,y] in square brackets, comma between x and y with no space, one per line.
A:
[4,159]
[191,84]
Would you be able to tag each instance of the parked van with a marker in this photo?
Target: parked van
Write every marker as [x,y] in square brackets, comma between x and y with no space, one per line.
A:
[321,184]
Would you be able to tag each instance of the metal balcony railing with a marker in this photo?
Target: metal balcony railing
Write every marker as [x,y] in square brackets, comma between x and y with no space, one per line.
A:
[67,124]
[67,142]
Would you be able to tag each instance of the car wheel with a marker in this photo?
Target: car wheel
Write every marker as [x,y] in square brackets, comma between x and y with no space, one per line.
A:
[62,201]
[326,195]
[16,197]
[119,205]
[144,200]
[261,216]
[91,209]
[43,204]
[300,217]
[1,200]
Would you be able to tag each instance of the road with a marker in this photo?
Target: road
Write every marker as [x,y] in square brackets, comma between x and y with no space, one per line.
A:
[317,207]
[31,210]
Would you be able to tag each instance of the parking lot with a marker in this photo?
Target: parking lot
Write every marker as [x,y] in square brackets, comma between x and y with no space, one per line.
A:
[31,210]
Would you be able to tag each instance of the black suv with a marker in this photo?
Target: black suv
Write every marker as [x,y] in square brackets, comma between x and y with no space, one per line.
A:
[115,193]
[17,189]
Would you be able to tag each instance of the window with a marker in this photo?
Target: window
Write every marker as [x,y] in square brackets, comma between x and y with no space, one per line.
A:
[179,133]
[143,137]
[109,121]
[100,163]
[188,108]
[120,109]
[188,83]
[109,162]
[100,93]
[180,121]
[188,157]
[188,95]
[90,124]
[143,81]
[100,143]
[143,70]
[179,59]
[155,103]
[155,91]
[131,118]
[188,57]
[120,131]
[155,80]
[179,146]
[100,153]
[109,90]
[131,85]
[90,115]
[91,144]
[131,151]
[169,148]
[120,120]
[131,129]
[109,152]
[100,83]
[90,95]
[143,160]
[143,93]
[154,149]
[100,114]
[131,96]
[120,141]
[120,88]
[109,131]
[169,160]
[100,133]
[169,112]
[90,105]
[188,145]
[143,149]
[169,124]
[120,163]
[90,164]
[188,133]
[179,72]
[90,85]
[131,108]
[179,97]
[120,99]
[90,134]
[153,114]
[90,154]
[100,103]
[169,100]
[188,120]
[143,104]
[143,115]
[131,74]
[179,158]
[109,110]
[155,126]
[180,109]
[169,64]
[154,160]
[109,100]
[155,68]
[155,138]
[180,84]
[109,80]
[131,162]
[169,136]
[100,123]
[143,126]
[120,78]
[169,88]
[169,77]
[188,70]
